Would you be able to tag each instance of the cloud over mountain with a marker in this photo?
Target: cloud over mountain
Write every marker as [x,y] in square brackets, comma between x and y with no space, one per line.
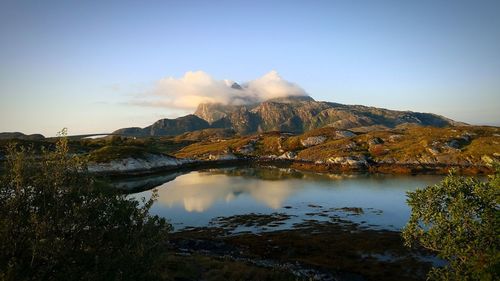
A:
[199,87]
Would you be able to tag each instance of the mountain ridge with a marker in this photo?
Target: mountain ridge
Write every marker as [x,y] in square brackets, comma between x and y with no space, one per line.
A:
[296,114]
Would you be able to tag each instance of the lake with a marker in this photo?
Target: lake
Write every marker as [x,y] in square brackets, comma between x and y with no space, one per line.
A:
[197,198]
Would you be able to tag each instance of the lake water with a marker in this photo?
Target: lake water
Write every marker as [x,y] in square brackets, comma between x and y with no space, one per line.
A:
[196,198]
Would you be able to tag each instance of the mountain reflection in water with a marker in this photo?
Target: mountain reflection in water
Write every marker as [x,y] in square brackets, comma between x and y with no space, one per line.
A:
[195,198]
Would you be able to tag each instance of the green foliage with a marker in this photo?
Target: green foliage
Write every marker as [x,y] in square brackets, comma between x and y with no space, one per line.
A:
[116,147]
[109,153]
[459,219]
[57,224]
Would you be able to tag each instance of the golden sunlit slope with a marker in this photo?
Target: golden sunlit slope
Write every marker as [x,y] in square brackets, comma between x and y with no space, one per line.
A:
[410,145]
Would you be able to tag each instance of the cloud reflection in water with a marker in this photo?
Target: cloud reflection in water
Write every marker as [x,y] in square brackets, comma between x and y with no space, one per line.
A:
[196,192]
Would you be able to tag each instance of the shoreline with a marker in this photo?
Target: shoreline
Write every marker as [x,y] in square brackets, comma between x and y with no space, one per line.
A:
[300,165]
[317,250]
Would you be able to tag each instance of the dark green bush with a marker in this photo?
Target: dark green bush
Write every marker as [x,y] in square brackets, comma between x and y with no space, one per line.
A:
[459,219]
[57,224]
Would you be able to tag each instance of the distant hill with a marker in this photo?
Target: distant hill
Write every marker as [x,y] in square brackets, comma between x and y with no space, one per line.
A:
[21,136]
[168,127]
[289,114]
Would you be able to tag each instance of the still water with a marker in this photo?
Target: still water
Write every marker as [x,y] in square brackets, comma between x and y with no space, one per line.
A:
[196,198]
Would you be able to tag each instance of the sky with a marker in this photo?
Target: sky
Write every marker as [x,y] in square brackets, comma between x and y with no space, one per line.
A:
[91,65]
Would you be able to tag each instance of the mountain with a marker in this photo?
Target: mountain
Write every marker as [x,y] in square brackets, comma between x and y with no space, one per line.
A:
[301,114]
[168,127]
[295,114]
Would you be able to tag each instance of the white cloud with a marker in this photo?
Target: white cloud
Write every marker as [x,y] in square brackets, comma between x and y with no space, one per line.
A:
[199,87]
[272,85]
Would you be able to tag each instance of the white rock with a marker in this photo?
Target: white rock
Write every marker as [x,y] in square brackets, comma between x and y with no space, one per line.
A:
[311,141]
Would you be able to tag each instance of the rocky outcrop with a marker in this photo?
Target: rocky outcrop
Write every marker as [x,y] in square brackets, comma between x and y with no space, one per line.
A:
[149,163]
[409,149]
[310,141]
[247,149]
[222,157]
[290,155]
[357,161]
[212,112]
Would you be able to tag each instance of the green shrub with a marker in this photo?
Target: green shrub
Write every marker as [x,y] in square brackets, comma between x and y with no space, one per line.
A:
[108,153]
[57,224]
[459,219]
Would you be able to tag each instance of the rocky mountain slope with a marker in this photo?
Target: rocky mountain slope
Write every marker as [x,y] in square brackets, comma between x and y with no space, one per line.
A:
[409,147]
[289,114]
[300,114]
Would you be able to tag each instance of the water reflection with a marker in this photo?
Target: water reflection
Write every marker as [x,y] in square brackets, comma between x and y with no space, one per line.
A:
[197,197]
[196,192]
[132,185]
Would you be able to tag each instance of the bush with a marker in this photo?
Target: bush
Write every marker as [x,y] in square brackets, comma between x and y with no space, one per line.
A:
[57,224]
[459,219]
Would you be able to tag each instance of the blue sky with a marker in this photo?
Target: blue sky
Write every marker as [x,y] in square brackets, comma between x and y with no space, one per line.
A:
[80,64]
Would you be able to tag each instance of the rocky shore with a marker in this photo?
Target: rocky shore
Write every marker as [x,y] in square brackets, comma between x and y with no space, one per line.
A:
[153,163]
[405,150]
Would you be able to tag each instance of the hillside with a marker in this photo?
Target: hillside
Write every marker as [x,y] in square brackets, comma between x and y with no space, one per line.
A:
[416,147]
[405,149]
